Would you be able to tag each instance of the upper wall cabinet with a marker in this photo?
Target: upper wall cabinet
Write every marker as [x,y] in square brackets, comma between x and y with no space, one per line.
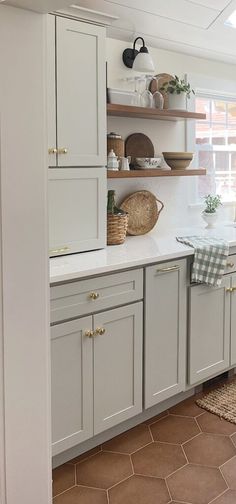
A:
[76,93]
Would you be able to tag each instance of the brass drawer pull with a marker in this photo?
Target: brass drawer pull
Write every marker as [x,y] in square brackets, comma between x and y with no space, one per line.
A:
[89,334]
[229,289]
[230,265]
[60,250]
[63,151]
[170,268]
[93,295]
[52,150]
[100,331]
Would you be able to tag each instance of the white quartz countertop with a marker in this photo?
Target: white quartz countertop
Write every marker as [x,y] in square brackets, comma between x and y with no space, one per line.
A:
[136,251]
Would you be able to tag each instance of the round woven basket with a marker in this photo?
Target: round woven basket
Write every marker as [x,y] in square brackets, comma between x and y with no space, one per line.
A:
[116,228]
[143,212]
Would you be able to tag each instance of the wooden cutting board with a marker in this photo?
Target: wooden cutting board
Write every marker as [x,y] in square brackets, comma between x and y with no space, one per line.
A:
[138,145]
[156,84]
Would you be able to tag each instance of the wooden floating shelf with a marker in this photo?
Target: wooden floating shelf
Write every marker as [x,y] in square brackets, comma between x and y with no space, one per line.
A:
[151,113]
[155,173]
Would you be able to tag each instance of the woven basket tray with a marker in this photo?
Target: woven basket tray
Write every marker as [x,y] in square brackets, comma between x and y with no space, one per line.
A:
[116,228]
[143,212]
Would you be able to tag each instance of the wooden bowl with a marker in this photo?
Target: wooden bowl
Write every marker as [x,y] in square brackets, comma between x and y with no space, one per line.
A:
[178,164]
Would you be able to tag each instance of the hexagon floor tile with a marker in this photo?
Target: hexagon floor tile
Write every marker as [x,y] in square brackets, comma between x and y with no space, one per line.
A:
[82,495]
[196,484]
[233,438]
[175,429]
[158,459]
[140,490]
[103,470]
[228,497]
[213,424]
[63,478]
[229,472]
[187,408]
[209,450]
[130,441]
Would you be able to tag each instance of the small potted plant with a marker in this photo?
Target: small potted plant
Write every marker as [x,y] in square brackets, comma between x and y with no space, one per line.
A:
[178,91]
[209,214]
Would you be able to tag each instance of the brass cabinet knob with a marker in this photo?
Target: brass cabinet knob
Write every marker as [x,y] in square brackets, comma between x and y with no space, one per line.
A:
[230,265]
[100,331]
[52,150]
[93,295]
[89,334]
[63,151]
[230,289]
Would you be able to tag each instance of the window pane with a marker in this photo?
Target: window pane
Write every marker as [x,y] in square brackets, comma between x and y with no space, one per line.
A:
[231,107]
[219,111]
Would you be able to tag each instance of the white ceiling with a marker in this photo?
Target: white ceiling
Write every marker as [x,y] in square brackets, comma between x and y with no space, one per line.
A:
[189,26]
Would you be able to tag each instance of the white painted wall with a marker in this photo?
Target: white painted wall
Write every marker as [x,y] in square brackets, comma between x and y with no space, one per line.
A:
[176,193]
[24,287]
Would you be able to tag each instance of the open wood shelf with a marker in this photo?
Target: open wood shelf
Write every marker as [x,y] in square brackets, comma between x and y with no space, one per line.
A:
[155,173]
[151,113]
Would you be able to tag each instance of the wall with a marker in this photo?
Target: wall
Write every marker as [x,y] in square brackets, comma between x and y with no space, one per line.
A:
[176,193]
[24,290]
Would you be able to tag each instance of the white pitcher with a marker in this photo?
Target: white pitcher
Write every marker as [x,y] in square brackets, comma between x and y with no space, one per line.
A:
[124,165]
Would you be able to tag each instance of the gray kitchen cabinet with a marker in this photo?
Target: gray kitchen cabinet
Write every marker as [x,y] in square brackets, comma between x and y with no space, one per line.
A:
[76,93]
[77,209]
[233,321]
[165,331]
[209,330]
[117,366]
[72,384]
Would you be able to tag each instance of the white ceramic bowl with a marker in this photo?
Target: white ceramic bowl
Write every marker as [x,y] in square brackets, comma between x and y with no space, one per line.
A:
[148,163]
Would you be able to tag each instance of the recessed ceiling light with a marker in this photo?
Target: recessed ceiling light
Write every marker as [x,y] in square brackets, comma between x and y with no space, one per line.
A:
[231,21]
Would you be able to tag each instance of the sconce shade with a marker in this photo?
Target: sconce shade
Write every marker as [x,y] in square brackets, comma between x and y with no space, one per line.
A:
[140,61]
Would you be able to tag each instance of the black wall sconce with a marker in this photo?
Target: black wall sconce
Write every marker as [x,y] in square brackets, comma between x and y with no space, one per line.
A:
[141,60]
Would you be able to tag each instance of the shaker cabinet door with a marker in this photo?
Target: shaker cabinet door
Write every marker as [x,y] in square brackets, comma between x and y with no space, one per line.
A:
[209,330]
[77,210]
[117,366]
[233,323]
[165,331]
[72,385]
[81,93]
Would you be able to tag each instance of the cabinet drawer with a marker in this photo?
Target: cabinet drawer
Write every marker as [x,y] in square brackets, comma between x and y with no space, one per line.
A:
[231,264]
[89,296]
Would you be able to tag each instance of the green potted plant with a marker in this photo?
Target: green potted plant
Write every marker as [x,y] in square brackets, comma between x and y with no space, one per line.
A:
[178,91]
[209,213]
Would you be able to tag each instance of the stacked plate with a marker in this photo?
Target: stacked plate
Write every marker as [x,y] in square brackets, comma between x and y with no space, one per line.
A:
[178,160]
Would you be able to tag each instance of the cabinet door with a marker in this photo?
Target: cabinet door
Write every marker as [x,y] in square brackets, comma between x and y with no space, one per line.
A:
[165,331]
[209,330]
[233,322]
[117,366]
[51,90]
[77,209]
[72,387]
[81,93]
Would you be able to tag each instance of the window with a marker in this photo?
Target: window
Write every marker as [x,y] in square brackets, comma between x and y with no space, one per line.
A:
[215,145]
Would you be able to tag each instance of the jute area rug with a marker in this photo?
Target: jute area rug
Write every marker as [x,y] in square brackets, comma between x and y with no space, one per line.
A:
[221,402]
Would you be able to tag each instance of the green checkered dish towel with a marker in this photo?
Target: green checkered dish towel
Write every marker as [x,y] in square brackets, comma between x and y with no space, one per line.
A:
[210,258]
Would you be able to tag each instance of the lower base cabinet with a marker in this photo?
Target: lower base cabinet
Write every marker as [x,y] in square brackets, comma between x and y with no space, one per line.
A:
[96,374]
[209,330]
[72,384]
[165,331]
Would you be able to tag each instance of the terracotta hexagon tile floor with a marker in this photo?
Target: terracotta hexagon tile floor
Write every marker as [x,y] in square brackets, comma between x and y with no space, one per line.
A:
[134,469]
[196,484]
[103,470]
[130,441]
[228,497]
[158,459]
[213,424]
[209,450]
[229,472]
[140,490]
[175,429]
[82,495]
